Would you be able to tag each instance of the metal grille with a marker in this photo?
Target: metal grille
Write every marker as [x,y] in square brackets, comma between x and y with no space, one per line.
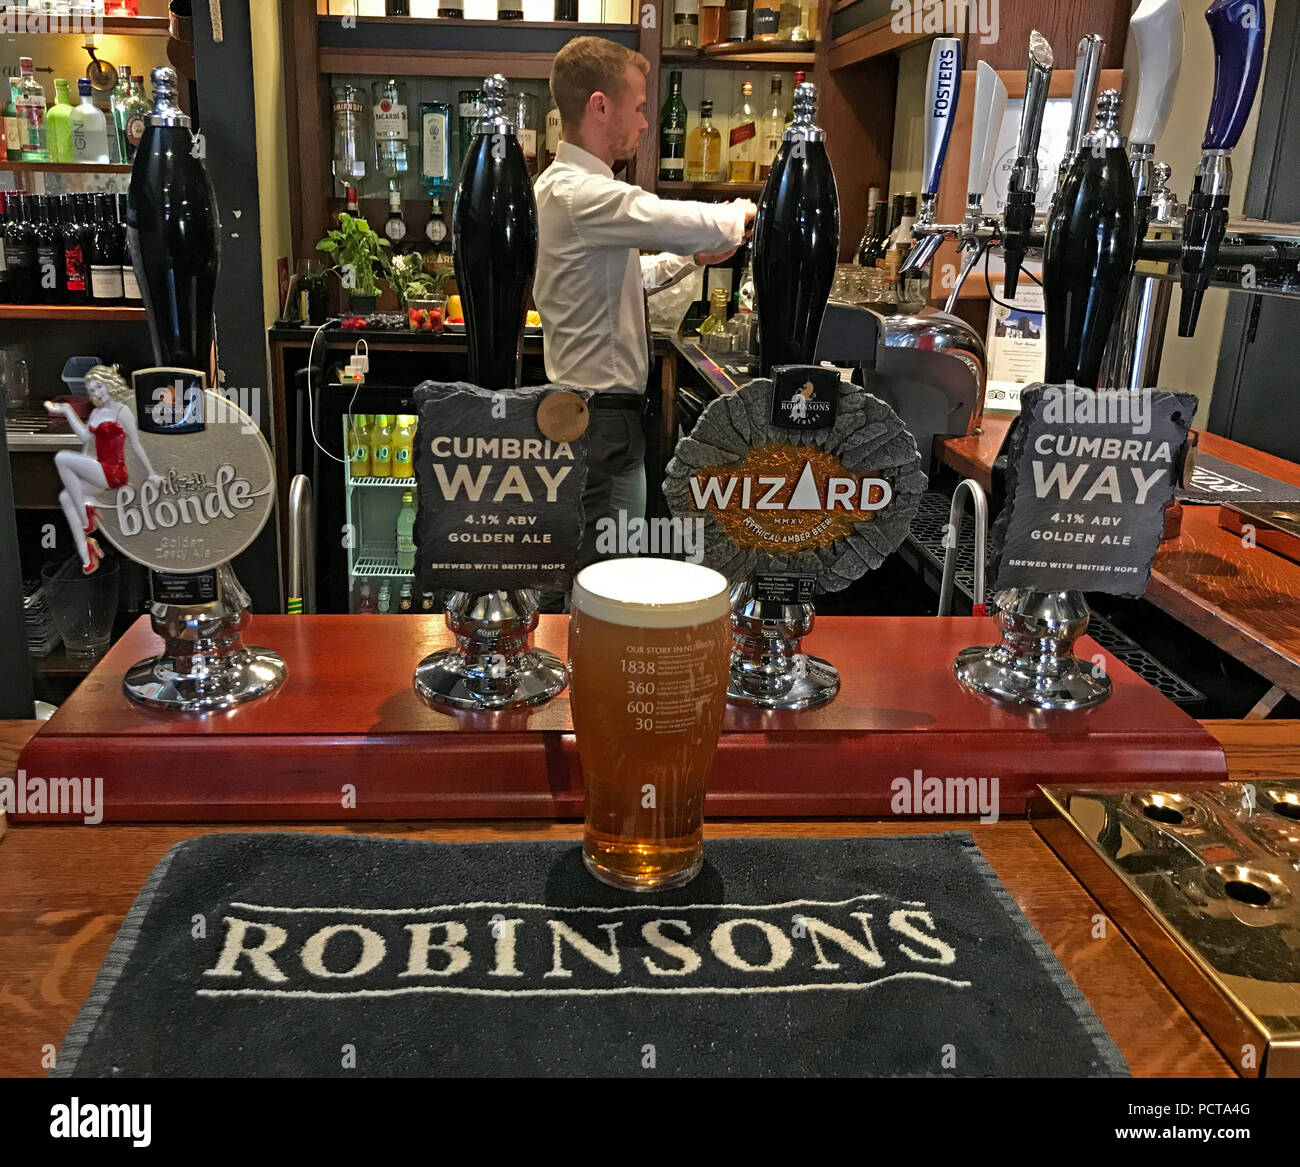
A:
[927,536]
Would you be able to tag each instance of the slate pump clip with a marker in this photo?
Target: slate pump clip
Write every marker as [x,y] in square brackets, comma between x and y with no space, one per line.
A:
[494,664]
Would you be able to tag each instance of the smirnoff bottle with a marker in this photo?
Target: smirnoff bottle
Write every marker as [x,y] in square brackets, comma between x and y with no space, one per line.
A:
[494,243]
[175,241]
[1088,256]
[796,241]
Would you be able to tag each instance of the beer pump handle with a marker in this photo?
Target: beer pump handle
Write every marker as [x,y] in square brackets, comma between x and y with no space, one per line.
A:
[990,109]
[1237,28]
[1157,31]
[1087,75]
[942,89]
[1022,189]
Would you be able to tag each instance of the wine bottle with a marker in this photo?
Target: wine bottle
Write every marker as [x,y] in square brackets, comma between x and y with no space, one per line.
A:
[20,251]
[796,241]
[51,278]
[175,243]
[494,243]
[77,243]
[5,197]
[872,246]
[106,254]
[130,286]
[1089,252]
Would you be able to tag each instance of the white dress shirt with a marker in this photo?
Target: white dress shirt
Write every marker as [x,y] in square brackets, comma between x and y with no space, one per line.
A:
[591,283]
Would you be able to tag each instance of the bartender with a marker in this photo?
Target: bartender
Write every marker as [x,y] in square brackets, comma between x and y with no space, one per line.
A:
[591,281]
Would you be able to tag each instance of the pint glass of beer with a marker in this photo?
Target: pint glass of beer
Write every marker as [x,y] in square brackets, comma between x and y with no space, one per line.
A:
[649,649]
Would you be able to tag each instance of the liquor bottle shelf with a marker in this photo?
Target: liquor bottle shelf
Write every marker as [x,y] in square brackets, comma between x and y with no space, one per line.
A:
[64,167]
[416,47]
[68,312]
[743,55]
[738,189]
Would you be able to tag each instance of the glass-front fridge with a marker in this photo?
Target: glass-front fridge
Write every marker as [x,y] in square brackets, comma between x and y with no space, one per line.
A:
[364,485]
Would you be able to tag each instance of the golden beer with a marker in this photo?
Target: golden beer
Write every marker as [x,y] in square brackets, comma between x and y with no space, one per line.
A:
[649,648]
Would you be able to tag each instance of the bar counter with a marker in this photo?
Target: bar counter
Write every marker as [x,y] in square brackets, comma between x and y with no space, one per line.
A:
[67,889]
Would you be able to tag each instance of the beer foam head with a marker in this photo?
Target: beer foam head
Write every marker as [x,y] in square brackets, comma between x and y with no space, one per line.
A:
[651,593]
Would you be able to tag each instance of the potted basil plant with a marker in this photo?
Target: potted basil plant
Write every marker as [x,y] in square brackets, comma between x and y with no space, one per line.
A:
[356,250]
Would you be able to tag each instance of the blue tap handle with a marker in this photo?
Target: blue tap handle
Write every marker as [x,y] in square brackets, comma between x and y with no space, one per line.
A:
[1237,28]
[942,88]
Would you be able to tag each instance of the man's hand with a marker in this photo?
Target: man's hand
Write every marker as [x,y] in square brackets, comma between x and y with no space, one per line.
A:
[704,258]
[707,258]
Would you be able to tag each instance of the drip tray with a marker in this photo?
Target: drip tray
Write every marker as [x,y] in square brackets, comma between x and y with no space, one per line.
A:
[1205,879]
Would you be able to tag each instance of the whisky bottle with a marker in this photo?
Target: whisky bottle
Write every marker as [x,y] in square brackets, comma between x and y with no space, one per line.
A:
[704,148]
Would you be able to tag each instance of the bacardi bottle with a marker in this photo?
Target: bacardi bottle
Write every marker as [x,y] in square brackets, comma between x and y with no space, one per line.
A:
[389,115]
[494,241]
[796,241]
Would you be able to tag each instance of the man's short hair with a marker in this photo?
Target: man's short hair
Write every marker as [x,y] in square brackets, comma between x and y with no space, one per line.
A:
[588,64]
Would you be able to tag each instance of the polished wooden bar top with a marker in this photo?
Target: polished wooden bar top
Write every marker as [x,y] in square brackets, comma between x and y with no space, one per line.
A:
[1244,599]
[67,889]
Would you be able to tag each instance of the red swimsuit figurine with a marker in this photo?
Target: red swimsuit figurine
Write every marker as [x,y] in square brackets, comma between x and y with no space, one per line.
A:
[107,431]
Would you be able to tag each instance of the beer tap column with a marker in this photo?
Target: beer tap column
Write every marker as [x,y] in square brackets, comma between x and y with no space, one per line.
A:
[174,233]
[796,245]
[942,90]
[974,235]
[1157,31]
[1022,190]
[494,232]
[1088,253]
[1087,76]
[796,241]
[1237,28]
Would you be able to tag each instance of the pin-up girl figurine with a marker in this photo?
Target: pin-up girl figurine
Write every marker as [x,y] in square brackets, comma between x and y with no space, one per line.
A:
[101,465]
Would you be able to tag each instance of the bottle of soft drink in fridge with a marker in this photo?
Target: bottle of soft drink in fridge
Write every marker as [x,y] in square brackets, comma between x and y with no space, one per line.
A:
[381,447]
[360,445]
[406,532]
[403,443]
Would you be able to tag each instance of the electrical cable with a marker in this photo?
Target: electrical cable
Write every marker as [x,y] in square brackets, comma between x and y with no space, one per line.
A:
[988,281]
[311,412]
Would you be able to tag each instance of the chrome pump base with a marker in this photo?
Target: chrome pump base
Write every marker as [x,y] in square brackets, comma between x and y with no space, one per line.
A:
[767,669]
[205,665]
[492,666]
[1034,664]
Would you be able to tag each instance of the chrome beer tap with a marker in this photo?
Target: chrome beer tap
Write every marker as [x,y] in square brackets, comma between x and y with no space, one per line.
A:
[1022,191]
[1132,358]
[976,231]
[942,89]
[1158,35]
[1087,76]
[1237,27]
